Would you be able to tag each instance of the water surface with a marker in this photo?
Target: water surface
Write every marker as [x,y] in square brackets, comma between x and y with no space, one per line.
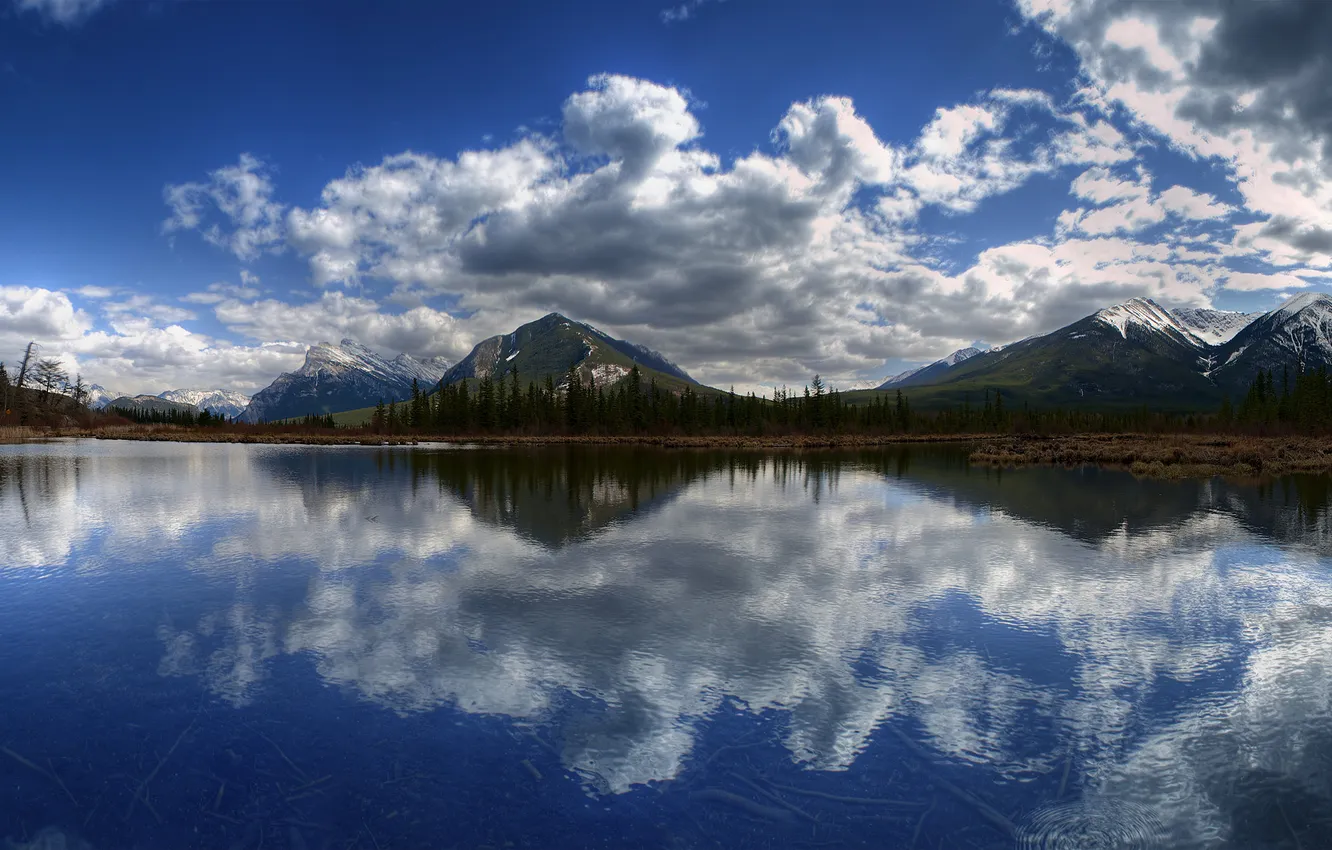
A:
[259,646]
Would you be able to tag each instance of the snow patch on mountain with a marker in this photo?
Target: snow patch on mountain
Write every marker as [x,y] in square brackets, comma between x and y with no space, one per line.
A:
[99,396]
[1302,302]
[339,377]
[1146,313]
[1213,327]
[218,402]
[939,365]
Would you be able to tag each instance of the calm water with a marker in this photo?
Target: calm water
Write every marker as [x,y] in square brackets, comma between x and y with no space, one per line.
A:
[248,646]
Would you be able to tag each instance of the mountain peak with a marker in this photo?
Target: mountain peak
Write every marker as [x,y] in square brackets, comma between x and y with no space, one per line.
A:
[1147,314]
[1303,301]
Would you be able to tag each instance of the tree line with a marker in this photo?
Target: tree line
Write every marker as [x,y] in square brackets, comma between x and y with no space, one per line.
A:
[1300,403]
[633,406]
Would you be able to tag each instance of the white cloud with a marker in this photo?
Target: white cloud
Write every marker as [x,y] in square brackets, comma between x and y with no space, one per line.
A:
[96,293]
[1240,83]
[242,195]
[1128,205]
[215,293]
[144,306]
[624,218]
[65,12]
[684,11]
[421,331]
[1253,281]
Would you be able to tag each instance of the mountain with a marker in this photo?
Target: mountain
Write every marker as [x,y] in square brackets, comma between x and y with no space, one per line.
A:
[1213,327]
[1133,353]
[99,396]
[1297,335]
[150,402]
[341,377]
[218,402]
[930,373]
[1139,353]
[553,344]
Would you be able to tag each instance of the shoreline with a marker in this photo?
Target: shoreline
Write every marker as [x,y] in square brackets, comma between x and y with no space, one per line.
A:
[1168,456]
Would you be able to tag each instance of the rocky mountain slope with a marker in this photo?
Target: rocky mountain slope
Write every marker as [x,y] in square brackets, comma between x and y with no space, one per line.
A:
[341,377]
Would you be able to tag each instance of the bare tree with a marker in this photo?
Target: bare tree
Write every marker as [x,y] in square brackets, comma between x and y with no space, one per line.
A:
[49,375]
[23,366]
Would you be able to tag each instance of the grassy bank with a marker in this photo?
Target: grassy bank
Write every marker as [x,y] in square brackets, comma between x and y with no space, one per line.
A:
[1164,455]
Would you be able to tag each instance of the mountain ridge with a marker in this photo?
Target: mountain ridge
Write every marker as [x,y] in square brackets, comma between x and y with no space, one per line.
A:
[1140,353]
[340,377]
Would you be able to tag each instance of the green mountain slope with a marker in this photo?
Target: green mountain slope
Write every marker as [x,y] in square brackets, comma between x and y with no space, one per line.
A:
[1130,355]
[549,348]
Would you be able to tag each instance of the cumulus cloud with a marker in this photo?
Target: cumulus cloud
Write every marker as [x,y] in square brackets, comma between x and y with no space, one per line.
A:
[1243,83]
[775,263]
[140,348]
[421,331]
[808,254]
[1128,205]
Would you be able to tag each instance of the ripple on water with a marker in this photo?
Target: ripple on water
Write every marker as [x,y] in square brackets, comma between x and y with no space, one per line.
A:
[1091,825]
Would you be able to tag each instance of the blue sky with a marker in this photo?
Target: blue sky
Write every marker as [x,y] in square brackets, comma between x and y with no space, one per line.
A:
[198,190]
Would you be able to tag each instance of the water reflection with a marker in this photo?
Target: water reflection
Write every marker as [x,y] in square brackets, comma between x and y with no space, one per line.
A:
[1062,642]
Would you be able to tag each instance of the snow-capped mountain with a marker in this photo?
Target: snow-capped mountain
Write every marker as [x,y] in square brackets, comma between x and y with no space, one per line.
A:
[218,402]
[99,396]
[1213,327]
[930,372]
[1297,335]
[342,377]
[1146,316]
[1140,354]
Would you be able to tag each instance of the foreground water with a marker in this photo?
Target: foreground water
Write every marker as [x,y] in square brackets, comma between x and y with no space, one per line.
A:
[256,646]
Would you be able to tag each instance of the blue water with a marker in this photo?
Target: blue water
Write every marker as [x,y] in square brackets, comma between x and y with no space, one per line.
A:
[271,647]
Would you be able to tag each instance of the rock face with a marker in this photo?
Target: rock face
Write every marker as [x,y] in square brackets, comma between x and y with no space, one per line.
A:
[554,344]
[218,402]
[341,377]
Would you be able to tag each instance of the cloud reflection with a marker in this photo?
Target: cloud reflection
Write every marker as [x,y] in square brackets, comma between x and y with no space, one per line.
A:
[845,591]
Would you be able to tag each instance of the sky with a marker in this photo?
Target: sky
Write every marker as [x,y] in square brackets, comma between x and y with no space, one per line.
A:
[195,191]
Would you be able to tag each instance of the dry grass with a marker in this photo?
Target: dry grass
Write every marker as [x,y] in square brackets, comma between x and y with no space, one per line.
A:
[1165,455]
[17,433]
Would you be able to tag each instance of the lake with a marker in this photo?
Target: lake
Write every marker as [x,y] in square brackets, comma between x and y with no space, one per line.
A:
[229,646]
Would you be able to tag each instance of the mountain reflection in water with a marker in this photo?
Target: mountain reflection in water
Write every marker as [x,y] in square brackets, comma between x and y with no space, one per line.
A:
[244,646]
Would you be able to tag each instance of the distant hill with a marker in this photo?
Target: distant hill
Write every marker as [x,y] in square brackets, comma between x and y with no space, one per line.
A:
[219,402]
